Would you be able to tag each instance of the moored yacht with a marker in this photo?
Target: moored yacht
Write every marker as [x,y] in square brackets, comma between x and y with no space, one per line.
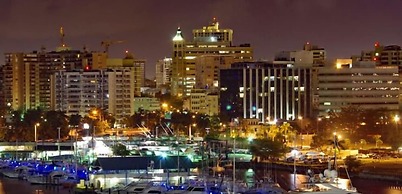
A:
[327,183]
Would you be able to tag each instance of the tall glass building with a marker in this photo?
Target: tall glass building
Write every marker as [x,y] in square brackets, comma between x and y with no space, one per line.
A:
[267,91]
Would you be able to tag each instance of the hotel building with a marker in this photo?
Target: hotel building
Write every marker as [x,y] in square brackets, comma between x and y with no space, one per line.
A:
[210,40]
[266,91]
[362,84]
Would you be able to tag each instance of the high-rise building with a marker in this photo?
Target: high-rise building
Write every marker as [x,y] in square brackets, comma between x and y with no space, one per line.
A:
[383,55]
[362,84]
[163,72]
[136,65]
[210,40]
[309,56]
[207,70]
[266,91]
[27,75]
[77,92]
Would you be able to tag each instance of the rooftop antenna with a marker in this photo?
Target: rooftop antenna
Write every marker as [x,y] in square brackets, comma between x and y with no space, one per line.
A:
[62,37]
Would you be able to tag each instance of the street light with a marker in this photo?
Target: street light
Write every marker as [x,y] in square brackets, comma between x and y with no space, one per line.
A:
[318,120]
[36,136]
[58,140]
[301,129]
[36,139]
[396,119]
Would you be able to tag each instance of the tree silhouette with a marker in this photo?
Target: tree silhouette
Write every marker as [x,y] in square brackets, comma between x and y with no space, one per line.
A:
[337,144]
[120,150]
[267,149]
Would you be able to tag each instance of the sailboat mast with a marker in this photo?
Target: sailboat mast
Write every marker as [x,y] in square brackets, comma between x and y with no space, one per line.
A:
[234,164]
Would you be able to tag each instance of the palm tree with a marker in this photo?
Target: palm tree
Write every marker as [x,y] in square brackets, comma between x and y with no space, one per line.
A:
[273,132]
[267,148]
[287,131]
[377,139]
[337,144]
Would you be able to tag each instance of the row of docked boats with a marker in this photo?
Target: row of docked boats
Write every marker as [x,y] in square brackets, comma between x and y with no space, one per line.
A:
[193,187]
[40,172]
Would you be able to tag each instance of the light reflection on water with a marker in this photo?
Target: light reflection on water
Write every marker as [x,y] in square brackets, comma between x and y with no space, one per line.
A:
[287,181]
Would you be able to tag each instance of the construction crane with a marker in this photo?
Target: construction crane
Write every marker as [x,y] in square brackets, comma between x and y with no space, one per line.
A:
[107,43]
[62,37]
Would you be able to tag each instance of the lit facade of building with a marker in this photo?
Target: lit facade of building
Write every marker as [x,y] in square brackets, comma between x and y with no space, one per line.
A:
[207,69]
[309,56]
[210,40]
[136,66]
[77,92]
[383,55]
[27,75]
[146,104]
[363,84]
[266,91]
[163,72]
[203,102]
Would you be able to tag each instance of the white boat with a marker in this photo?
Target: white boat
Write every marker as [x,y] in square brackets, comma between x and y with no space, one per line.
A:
[18,172]
[133,187]
[11,174]
[54,177]
[327,183]
[265,187]
[137,187]
[155,189]
[198,189]
[37,179]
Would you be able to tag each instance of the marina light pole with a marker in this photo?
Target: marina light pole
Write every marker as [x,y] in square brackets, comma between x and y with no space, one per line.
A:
[36,139]
[58,140]
[233,125]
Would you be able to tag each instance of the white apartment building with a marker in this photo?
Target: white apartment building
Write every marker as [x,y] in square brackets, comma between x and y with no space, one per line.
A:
[77,92]
[163,72]
[202,102]
[362,83]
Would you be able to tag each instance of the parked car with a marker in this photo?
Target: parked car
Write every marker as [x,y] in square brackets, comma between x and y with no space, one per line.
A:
[362,156]
[313,161]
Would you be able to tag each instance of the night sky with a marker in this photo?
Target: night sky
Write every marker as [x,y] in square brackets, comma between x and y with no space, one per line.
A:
[342,27]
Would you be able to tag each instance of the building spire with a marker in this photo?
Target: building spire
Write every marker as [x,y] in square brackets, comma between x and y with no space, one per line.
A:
[178,36]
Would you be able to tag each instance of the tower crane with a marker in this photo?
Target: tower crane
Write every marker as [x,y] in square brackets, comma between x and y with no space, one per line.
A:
[107,43]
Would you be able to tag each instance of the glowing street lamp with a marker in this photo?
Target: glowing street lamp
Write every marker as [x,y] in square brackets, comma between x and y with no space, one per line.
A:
[318,121]
[396,119]
[36,138]
[95,112]
[165,105]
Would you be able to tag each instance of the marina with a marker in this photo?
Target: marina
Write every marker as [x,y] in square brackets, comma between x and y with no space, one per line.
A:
[154,166]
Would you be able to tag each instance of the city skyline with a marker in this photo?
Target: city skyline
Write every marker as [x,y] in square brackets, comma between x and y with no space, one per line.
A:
[343,28]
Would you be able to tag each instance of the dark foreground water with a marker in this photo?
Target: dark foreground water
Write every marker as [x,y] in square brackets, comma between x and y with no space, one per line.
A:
[15,186]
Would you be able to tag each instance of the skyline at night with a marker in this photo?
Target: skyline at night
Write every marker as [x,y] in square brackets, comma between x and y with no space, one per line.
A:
[343,28]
